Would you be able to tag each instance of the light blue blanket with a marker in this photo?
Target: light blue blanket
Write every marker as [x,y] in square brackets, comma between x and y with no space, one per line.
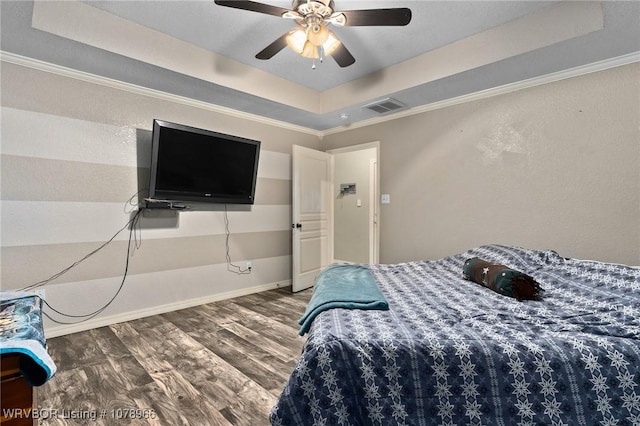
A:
[343,286]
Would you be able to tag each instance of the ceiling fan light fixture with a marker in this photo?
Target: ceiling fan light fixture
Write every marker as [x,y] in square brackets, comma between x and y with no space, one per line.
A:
[296,40]
[300,41]
[318,34]
[310,51]
[311,38]
[331,44]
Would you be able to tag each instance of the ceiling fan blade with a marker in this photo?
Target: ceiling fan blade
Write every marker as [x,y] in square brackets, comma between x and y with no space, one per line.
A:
[377,17]
[342,56]
[253,6]
[275,47]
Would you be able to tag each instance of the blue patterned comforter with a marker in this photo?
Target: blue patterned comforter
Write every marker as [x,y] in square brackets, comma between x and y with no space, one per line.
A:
[451,352]
[22,332]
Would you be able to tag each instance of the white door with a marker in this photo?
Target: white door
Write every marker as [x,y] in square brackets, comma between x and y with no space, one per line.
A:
[312,243]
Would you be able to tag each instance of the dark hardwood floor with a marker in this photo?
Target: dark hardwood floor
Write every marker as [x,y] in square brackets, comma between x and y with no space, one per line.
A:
[223,363]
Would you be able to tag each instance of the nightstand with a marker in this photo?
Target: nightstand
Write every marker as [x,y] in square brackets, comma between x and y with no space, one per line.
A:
[16,394]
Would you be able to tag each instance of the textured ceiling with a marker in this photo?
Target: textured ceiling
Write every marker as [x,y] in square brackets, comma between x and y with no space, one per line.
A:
[240,34]
[206,52]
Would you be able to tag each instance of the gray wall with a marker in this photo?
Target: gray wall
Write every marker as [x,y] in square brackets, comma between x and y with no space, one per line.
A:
[352,222]
[555,166]
[75,151]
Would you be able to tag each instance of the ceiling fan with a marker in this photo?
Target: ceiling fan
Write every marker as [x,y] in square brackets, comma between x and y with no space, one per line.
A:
[311,38]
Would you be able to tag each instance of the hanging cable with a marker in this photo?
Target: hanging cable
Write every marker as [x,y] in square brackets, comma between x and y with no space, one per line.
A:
[134,235]
[86,317]
[230,266]
[76,263]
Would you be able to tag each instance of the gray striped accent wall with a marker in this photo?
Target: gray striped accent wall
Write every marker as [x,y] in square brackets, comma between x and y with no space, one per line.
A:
[74,154]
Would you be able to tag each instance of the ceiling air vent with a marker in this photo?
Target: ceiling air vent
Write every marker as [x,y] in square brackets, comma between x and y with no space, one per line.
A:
[385,105]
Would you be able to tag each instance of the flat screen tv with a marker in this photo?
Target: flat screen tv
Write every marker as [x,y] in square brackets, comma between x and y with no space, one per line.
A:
[190,164]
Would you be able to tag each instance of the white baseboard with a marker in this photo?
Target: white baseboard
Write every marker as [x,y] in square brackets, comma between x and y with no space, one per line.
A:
[62,330]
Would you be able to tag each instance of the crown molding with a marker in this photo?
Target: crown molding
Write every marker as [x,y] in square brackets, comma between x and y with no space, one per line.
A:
[495,91]
[482,94]
[140,90]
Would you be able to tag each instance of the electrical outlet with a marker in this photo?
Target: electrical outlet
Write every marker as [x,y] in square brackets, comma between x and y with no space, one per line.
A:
[249,265]
[41,293]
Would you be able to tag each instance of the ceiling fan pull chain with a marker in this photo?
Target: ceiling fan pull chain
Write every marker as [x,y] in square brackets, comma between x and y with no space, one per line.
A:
[321,52]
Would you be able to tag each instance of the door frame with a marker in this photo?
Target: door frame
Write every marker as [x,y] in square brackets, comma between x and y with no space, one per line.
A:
[374,225]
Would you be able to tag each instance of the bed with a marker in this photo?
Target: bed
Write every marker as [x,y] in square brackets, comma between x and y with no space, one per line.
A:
[450,352]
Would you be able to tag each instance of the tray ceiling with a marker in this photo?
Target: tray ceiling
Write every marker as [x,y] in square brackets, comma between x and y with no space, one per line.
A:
[206,52]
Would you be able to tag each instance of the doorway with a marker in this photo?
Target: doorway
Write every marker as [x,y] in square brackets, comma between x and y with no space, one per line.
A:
[355,204]
[338,186]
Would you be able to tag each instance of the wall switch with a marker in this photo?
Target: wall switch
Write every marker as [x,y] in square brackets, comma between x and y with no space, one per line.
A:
[358,202]
[385,199]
